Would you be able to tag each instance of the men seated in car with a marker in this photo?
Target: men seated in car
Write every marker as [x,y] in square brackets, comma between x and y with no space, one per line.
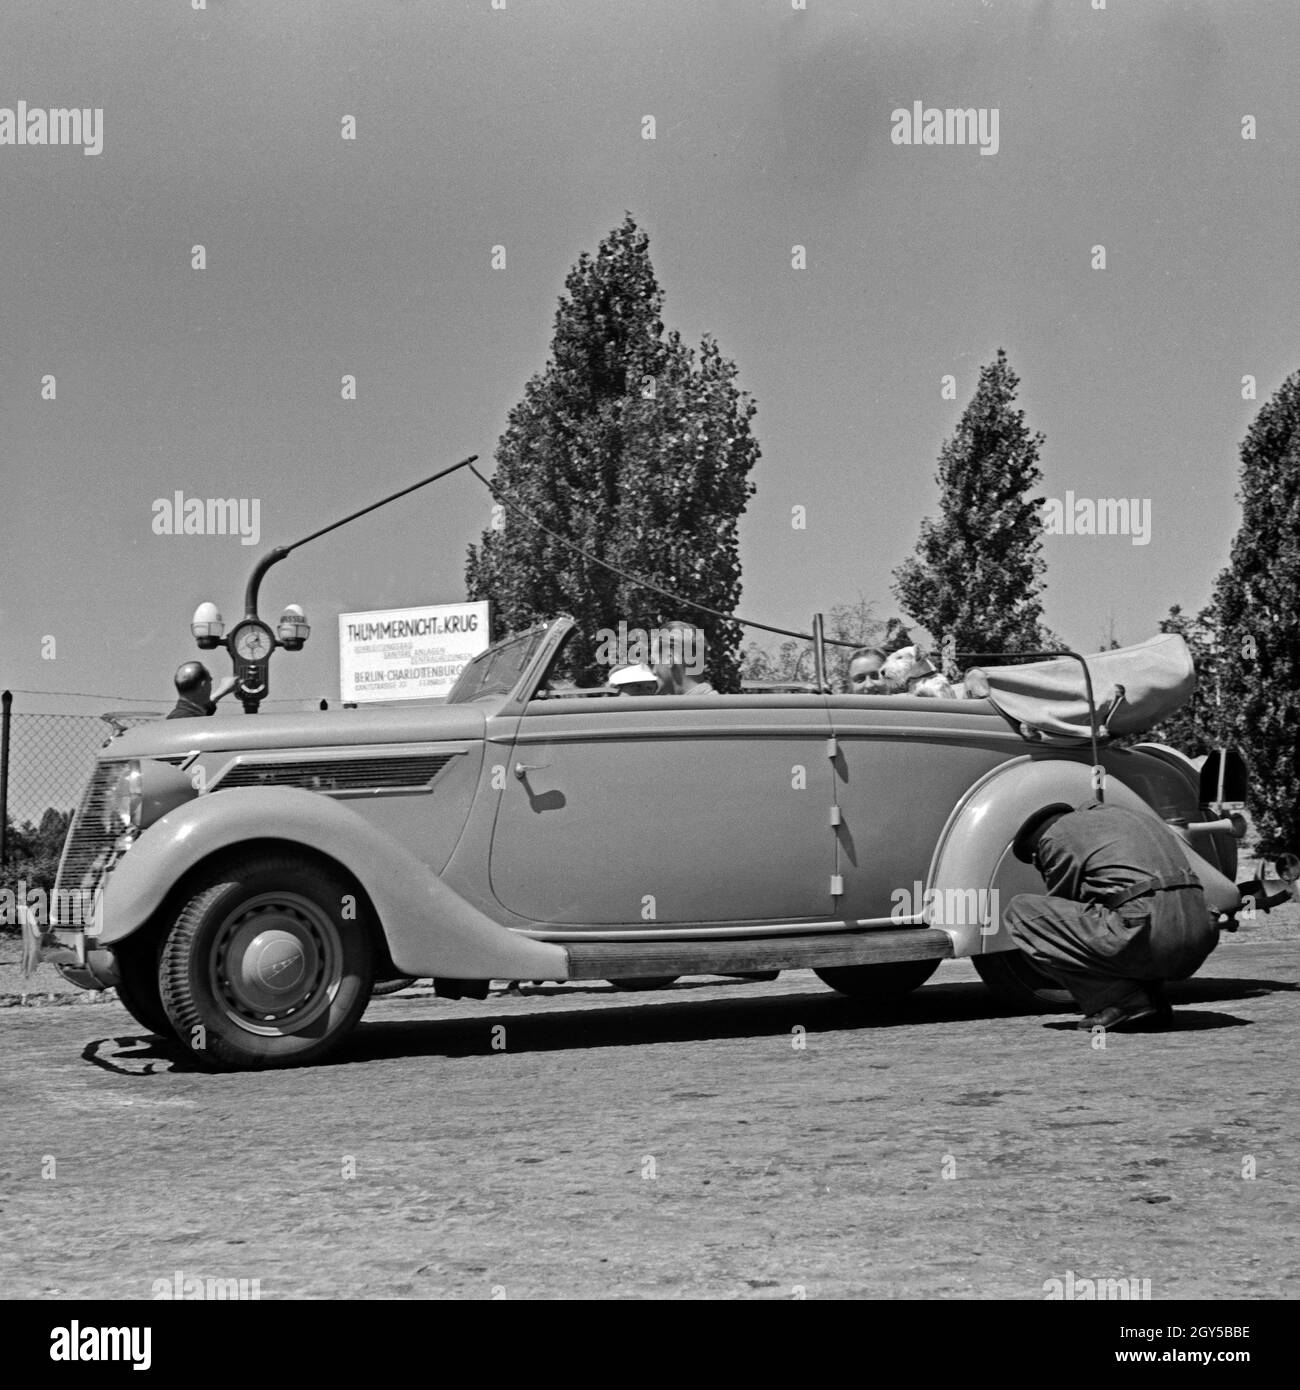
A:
[863,676]
[638,679]
[681,648]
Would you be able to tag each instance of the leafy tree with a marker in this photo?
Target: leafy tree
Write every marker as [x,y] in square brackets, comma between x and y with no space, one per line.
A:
[976,578]
[896,636]
[791,660]
[33,852]
[1257,619]
[1109,642]
[855,623]
[636,448]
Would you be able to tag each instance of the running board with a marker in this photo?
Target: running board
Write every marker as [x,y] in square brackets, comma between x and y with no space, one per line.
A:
[605,960]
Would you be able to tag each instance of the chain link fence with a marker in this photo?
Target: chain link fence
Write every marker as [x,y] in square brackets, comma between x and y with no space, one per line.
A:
[46,760]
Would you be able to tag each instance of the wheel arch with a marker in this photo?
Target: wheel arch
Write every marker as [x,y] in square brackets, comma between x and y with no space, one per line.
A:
[215,861]
[427,927]
[973,853]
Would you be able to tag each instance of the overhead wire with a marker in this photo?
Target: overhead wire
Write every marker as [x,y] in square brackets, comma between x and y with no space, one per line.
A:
[646,583]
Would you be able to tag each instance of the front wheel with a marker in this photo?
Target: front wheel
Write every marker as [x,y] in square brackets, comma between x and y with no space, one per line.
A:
[1016,980]
[878,984]
[261,970]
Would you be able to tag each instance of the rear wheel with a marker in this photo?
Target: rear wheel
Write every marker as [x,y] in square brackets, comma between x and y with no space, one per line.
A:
[1016,980]
[645,982]
[137,987]
[260,970]
[878,983]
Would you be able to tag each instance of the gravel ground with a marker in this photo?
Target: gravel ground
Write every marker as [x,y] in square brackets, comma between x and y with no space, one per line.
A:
[717,1139]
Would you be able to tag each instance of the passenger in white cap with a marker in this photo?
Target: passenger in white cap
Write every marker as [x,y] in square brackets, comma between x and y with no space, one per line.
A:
[635,680]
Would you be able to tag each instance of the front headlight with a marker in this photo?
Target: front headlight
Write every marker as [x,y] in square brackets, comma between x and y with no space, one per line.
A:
[124,801]
[140,792]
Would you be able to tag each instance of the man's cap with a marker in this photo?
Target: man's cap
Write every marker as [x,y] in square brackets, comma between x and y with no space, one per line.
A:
[1022,845]
[191,674]
[633,675]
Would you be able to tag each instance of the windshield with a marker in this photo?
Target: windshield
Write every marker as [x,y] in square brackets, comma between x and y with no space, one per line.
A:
[497,670]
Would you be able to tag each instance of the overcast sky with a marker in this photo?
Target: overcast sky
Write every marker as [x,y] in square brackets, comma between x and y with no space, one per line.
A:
[522,127]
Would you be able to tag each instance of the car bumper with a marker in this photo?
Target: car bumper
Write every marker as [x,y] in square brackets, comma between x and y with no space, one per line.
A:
[73,955]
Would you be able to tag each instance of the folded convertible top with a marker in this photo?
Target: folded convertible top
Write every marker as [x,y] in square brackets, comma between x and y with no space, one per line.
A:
[1048,699]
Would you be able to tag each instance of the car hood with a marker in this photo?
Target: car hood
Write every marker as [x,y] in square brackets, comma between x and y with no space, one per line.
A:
[315,729]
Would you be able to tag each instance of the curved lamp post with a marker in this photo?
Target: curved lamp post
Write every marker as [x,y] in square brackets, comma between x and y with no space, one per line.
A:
[250,642]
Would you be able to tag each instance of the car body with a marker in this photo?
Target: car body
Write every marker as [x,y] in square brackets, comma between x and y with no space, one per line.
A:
[254,876]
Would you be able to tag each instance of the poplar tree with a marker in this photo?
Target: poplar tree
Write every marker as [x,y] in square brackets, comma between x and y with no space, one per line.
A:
[1256,609]
[636,448]
[975,579]
[855,623]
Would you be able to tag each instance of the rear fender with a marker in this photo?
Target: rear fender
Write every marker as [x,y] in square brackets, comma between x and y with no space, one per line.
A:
[973,866]
[430,929]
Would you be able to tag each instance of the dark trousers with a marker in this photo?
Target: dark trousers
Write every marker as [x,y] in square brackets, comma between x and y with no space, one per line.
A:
[1104,957]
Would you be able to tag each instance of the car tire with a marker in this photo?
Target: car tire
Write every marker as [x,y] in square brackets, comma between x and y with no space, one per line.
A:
[878,983]
[644,982]
[260,970]
[138,989]
[1017,981]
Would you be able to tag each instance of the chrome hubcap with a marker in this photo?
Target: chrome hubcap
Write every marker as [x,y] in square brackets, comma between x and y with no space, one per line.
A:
[277,964]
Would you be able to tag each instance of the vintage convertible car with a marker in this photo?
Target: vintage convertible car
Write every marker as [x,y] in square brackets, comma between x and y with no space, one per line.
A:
[255,876]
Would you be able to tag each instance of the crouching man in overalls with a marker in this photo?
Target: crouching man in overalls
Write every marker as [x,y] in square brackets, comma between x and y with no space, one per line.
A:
[1125,912]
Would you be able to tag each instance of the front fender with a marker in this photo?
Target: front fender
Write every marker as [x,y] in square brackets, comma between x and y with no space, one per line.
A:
[430,929]
[973,864]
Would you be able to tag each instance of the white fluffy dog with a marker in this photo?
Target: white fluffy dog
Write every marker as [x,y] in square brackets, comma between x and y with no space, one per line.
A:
[909,671]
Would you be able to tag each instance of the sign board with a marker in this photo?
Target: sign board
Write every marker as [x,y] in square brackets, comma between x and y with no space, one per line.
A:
[408,653]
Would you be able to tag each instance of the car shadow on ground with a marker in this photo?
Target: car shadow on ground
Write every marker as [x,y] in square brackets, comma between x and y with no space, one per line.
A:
[138,1054]
[663,1018]
[666,1019]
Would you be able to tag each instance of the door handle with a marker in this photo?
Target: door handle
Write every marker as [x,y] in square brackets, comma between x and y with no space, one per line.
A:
[523,769]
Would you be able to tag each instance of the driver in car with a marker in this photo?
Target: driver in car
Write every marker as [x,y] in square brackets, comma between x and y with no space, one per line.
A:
[677,675]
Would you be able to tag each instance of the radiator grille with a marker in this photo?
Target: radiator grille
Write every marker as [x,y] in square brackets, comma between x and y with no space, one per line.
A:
[88,852]
[410,772]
